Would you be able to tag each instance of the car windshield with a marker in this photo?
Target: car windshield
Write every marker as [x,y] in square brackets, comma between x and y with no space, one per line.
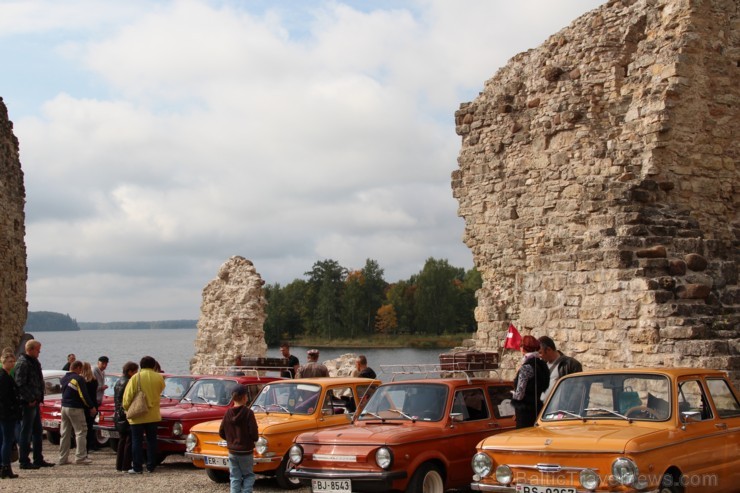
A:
[623,396]
[110,381]
[210,391]
[288,398]
[407,401]
[175,387]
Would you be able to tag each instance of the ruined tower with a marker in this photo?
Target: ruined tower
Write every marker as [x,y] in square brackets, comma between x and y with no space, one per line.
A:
[599,182]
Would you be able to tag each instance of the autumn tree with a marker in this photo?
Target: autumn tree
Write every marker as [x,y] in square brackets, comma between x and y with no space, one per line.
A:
[385,320]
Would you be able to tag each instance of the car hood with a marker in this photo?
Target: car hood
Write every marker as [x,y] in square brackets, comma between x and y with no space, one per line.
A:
[569,438]
[374,434]
[187,411]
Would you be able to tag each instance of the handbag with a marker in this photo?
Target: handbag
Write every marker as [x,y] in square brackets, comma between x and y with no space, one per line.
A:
[139,406]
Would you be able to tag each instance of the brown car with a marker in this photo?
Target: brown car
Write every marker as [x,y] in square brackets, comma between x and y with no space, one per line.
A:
[414,435]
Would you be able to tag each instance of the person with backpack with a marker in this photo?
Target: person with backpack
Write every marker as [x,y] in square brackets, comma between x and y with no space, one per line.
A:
[532,379]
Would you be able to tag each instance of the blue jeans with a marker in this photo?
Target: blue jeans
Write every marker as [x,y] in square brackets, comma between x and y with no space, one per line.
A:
[30,431]
[7,439]
[137,445]
[240,472]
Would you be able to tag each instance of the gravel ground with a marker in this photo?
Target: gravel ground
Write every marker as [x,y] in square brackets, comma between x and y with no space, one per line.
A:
[176,474]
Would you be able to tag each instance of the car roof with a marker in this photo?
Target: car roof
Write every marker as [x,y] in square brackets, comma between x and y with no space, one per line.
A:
[453,381]
[670,372]
[53,373]
[324,381]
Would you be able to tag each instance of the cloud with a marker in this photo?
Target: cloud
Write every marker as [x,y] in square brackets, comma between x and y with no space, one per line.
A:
[285,132]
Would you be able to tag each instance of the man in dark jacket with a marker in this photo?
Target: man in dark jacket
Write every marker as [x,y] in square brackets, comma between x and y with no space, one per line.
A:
[30,381]
[558,363]
[239,429]
[76,402]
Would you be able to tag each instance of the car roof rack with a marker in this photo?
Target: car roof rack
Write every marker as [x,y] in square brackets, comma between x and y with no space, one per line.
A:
[251,370]
[435,370]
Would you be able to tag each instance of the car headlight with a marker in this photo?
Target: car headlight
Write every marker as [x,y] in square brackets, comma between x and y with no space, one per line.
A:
[384,457]
[190,442]
[261,445]
[296,454]
[625,471]
[504,474]
[482,464]
[97,418]
[177,429]
[589,479]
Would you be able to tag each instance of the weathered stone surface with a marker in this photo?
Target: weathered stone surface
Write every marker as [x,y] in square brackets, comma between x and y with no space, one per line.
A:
[232,316]
[13,271]
[624,173]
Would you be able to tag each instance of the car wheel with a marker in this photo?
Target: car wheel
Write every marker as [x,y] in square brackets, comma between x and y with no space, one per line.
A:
[53,437]
[426,479]
[217,475]
[669,484]
[102,441]
[282,478]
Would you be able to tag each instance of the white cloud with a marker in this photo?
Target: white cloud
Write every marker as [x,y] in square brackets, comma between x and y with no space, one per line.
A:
[301,132]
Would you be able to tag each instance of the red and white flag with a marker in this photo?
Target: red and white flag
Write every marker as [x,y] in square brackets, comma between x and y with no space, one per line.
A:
[513,338]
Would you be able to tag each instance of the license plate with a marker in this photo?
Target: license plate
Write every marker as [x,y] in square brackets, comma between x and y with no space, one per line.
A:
[216,461]
[109,433]
[331,485]
[525,488]
[50,423]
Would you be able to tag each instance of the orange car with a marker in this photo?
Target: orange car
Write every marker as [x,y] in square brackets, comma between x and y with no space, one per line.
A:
[638,430]
[283,409]
[416,436]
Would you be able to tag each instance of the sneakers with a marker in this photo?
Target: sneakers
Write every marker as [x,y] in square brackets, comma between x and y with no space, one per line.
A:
[132,471]
[84,460]
[30,466]
[43,463]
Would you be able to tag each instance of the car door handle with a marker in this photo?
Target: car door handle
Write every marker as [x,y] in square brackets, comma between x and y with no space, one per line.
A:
[721,426]
[496,425]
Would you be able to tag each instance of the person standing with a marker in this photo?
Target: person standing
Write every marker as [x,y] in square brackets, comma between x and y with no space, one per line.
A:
[70,359]
[239,429]
[558,363]
[293,363]
[313,368]
[531,380]
[99,372]
[152,384]
[30,381]
[123,453]
[364,371]
[10,413]
[92,389]
[77,404]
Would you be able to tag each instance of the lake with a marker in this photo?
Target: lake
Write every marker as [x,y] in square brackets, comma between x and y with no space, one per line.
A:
[174,348]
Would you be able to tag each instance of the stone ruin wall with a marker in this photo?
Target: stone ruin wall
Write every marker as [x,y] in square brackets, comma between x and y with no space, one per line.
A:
[13,271]
[598,179]
[232,316]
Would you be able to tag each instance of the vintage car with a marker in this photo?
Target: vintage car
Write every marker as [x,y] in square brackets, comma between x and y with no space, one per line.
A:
[638,430]
[283,410]
[208,399]
[51,408]
[414,435]
[175,387]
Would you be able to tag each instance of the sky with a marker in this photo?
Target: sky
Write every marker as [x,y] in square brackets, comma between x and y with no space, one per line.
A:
[159,138]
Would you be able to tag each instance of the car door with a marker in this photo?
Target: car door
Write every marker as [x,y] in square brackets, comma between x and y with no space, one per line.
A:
[727,425]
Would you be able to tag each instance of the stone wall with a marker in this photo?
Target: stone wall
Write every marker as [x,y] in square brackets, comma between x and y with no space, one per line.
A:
[598,179]
[232,316]
[13,271]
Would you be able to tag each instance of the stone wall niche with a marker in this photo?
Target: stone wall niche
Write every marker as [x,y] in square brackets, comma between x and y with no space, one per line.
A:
[598,179]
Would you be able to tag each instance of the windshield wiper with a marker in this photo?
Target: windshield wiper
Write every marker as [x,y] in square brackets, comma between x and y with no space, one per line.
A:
[398,411]
[261,407]
[283,408]
[376,416]
[604,410]
[569,414]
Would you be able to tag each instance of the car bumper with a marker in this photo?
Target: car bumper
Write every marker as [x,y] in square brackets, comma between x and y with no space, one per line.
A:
[259,462]
[512,489]
[361,480]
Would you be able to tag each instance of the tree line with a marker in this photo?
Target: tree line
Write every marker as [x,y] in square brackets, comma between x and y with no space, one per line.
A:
[335,302]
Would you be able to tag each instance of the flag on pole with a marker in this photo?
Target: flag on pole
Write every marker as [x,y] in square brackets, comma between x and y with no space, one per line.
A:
[513,338]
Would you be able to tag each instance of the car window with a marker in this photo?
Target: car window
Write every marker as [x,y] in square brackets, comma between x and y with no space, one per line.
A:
[471,403]
[724,400]
[52,385]
[110,381]
[692,401]
[294,397]
[216,392]
[500,396]
[424,402]
[339,400]
[175,387]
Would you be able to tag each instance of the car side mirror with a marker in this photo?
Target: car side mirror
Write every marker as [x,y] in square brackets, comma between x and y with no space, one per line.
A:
[456,417]
[690,417]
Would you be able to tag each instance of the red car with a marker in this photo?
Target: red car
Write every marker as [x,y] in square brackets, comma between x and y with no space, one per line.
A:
[207,399]
[51,410]
[175,387]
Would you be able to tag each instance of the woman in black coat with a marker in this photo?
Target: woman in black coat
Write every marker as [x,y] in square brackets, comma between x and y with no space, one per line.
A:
[123,453]
[531,381]
[92,390]
[10,413]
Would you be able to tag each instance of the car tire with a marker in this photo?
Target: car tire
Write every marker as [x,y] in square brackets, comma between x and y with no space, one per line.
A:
[426,479]
[283,480]
[100,439]
[670,484]
[53,437]
[217,475]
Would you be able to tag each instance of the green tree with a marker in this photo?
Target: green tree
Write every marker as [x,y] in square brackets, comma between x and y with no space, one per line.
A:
[437,301]
[285,308]
[325,284]
[401,296]
[374,288]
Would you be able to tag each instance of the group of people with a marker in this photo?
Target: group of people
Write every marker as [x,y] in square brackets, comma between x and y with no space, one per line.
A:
[542,365]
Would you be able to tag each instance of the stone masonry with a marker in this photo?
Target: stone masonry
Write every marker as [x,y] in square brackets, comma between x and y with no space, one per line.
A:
[13,271]
[232,315]
[598,179]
